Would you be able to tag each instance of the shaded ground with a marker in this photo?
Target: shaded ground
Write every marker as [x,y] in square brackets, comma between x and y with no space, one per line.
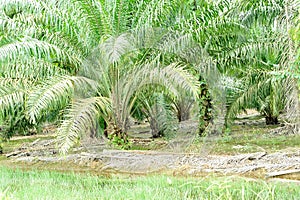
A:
[255,151]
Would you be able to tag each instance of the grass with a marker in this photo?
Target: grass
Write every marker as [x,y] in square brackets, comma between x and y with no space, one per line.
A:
[17,184]
[245,139]
[12,144]
[253,143]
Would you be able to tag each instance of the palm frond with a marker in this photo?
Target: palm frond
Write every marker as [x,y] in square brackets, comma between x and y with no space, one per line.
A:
[12,7]
[273,12]
[68,22]
[11,98]
[175,42]
[154,13]
[80,119]
[53,94]
[33,47]
[94,13]
[268,95]
[31,68]
[176,74]
[115,47]
[159,112]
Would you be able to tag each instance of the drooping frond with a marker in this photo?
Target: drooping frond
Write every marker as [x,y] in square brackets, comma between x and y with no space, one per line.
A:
[127,87]
[159,112]
[175,43]
[12,96]
[177,75]
[32,47]
[148,37]
[172,76]
[93,13]
[31,68]
[53,94]
[268,95]
[80,119]
[243,101]
[155,13]
[255,12]
[13,7]
[70,24]
[60,24]
[265,51]
[14,28]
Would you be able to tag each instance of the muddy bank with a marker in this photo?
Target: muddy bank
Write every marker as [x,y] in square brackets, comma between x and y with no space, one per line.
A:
[260,164]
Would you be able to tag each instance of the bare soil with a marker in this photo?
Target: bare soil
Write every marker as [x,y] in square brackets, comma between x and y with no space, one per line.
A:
[98,156]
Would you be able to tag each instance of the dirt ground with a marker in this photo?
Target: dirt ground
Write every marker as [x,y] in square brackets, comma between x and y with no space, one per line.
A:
[98,156]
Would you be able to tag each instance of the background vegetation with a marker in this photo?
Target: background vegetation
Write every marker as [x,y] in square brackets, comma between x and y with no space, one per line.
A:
[95,67]
[92,66]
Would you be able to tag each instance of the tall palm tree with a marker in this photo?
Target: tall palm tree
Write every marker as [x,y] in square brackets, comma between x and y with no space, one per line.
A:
[213,29]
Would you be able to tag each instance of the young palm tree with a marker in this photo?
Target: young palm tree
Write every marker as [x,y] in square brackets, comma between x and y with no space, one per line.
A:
[42,43]
[120,76]
[155,104]
[268,52]
[54,38]
[183,105]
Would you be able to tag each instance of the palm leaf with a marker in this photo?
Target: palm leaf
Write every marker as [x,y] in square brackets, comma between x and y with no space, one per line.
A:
[32,47]
[115,47]
[31,68]
[53,94]
[11,98]
[80,119]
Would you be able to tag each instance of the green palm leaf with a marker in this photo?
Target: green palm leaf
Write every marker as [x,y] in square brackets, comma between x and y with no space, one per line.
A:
[32,47]
[53,94]
[11,98]
[80,119]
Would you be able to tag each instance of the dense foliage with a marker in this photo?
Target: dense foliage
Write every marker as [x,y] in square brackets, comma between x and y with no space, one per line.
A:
[95,64]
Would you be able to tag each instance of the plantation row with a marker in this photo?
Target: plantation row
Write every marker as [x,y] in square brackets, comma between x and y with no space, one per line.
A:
[92,66]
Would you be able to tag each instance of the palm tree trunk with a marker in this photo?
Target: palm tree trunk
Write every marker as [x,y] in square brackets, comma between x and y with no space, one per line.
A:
[183,108]
[205,105]
[112,131]
[183,115]
[271,120]
[154,128]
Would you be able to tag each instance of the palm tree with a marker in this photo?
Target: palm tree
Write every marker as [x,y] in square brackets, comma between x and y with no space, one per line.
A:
[74,37]
[269,53]
[155,104]
[213,29]
[42,44]
[95,57]
[183,105]
[120,76]
[264,93]
[54,38]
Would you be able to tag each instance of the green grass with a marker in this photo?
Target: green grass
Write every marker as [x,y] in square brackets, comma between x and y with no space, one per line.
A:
[17,184]
[245,139]
[253,143]
[11,145]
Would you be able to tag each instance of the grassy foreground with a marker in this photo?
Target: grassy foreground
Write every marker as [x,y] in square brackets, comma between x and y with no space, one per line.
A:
[17,184]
